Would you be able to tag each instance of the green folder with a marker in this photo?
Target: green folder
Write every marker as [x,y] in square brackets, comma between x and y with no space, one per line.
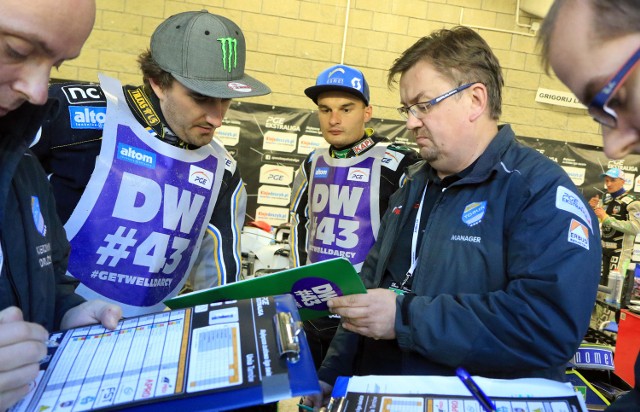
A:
[311,286]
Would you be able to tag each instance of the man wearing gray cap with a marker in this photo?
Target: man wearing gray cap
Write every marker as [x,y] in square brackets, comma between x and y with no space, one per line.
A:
[340,193]
[619,215]
[152,202]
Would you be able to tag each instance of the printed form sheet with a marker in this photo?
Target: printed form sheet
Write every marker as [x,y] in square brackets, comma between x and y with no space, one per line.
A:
[448,394]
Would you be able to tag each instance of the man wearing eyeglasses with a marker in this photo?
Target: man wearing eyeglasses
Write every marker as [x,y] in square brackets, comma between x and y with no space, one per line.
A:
[487,258]
[593,47]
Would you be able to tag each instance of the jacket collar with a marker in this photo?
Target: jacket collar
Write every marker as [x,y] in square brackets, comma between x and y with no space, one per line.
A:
[17,130]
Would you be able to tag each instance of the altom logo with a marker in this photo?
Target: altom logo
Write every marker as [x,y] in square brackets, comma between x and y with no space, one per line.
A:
[136,156]
[321,173]
[87,117]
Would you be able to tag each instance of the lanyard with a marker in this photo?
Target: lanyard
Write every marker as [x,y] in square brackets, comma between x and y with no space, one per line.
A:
[414,240]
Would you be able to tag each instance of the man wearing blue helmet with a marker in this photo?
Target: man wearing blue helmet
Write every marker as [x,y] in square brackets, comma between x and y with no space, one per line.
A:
[341,192]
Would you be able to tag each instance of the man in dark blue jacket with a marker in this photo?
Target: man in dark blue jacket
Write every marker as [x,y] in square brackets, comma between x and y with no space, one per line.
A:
[35,293]
[488,258]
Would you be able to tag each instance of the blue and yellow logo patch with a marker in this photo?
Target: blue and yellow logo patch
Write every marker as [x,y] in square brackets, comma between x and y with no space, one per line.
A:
[474,212]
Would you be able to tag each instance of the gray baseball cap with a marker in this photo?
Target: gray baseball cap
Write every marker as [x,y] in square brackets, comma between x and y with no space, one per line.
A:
[206,53]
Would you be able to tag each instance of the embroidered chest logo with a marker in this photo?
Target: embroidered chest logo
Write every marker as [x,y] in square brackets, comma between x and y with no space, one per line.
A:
[229,52]
[474,212]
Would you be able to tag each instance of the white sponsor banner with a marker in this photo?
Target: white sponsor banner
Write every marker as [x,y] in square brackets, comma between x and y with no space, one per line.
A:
[276,174]
[307,144]
[228,135]
[280,141]
[274,195]
[577,174]
[275,216]
[558,98]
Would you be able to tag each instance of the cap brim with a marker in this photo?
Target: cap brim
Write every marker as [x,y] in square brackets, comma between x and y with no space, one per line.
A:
[613,177]
[314,91]
[246,86]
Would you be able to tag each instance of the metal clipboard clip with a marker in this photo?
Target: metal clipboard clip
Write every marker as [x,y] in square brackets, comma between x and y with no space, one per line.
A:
[287,331]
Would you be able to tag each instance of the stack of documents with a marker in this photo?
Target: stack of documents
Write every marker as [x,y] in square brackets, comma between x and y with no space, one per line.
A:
[448,394]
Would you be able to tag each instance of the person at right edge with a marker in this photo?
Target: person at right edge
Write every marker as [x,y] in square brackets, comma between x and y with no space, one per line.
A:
[619,215]
[364,167]
[497,270]
[593,47]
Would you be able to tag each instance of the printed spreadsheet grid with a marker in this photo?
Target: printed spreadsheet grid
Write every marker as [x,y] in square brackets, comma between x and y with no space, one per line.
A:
[143,358]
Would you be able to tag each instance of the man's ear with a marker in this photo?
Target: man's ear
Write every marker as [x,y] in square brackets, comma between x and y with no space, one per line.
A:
[479,101]
[368,113]
[156,88]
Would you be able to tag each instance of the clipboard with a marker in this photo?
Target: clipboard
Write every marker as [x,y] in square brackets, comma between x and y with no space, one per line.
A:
[221,356]
[311,285]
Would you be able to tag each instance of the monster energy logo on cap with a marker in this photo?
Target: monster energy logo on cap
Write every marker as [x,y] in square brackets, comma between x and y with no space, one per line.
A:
[229,52]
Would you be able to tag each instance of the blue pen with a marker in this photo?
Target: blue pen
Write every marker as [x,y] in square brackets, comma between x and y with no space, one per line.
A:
[486,402]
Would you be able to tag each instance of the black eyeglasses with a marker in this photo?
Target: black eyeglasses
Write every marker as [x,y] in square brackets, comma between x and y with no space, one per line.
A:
[420,109]
[599,107]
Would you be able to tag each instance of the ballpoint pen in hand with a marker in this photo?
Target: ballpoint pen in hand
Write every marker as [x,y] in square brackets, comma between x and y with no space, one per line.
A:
[486,402]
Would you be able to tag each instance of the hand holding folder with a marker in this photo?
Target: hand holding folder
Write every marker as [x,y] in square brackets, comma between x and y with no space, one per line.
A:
[311,286]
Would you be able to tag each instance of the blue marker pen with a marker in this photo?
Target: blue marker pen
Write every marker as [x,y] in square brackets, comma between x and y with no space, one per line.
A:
[486,402]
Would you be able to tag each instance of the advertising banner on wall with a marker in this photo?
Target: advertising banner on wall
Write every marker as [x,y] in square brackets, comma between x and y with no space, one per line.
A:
[271,142]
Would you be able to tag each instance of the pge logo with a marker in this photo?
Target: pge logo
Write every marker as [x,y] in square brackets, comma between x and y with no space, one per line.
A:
[200,177]
[271,120]
[392,160]
[321,173]
[357,174]
[229,164]
[276,175]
